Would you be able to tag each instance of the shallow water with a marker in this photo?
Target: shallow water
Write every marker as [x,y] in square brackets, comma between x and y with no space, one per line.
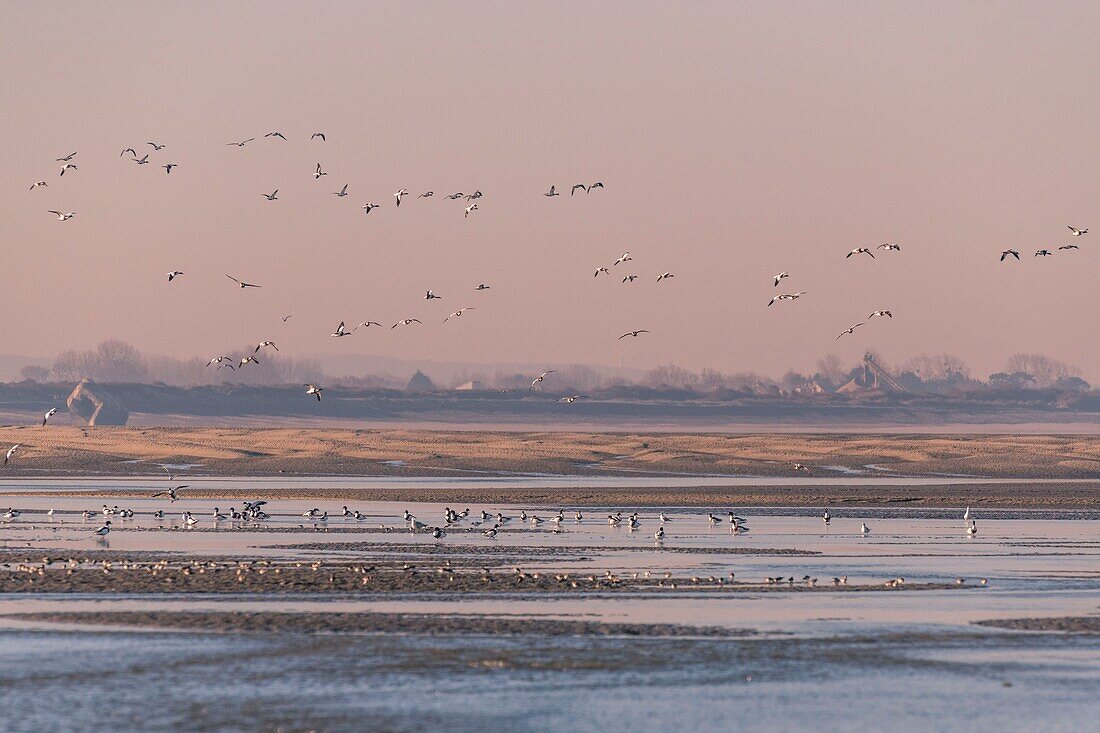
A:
[830,661]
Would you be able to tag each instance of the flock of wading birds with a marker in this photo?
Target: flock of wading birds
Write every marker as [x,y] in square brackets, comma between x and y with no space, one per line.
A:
[342,330]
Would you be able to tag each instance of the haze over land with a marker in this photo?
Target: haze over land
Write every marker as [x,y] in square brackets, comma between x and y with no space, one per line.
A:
[735,141]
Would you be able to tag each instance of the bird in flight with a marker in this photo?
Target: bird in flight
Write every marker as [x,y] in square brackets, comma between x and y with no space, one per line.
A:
[1043,253]
[340,331]
[474,196]
[46,418]
[471,207]
[581,186]
[458,313]
[431,296]
[314,391]
[664,276]
[405,322]
[242,283]
[571,398]
[779,277]
[552,192]
[156,147]
[248,360]
[11,451]
[890,247]
[36,184]
[67,158]
[271,196]
[399,194]
[63,217]
[366,324]
[317,173]
[849,330]
[633,334]
[316,135]
[143,160]
[131,151]
[174,274]
[539,379]
[287,318]
[342,192]
[242,143]
[888,314]
[601,269]
[262,344]
[276,134]
[454,196]
[1009,253]
[426,195]
[625,258]
[69,166]
[169,166]
[367,207]
[221,361]
[1069,246]
[1078,232]
[786,296]
[860,251]
[482,286]
[629,278]
[172,493]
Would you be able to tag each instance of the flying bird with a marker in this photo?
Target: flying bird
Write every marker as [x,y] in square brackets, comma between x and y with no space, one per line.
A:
[271,196]
[1043,253]
[63,217]
[458,313]
[454,196]
[366,324]
[248,360]
[367,207]
[174,274]
[36,184]
[664,276]
[143,160]
[888,314]
[276,134]
[242,143]
[786,296]
[11,451]
[601,269]
[131,151]
[156,146]
[625,258]
[222,361]
[318,172]
[581,186]
[890,247]
[399,193]
[471,207]
[633,334]
[1078,232]
[552,192]
[287,318]
[631,278]
[539,379]
[779,277]
[172,493]
[314,391]
[340,331]
[1009,253]
[262,344]
[405,322]
[426,195]
[169,166]
[67,166]
[342,192]
[1069,246]
[860,251]
[67,158]
[242,283]
[431,296]
[318,134]
[482,286]
[474,196]
[849,330]
[45,418]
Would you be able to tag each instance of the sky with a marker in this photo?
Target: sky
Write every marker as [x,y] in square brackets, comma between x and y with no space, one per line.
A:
[735,141]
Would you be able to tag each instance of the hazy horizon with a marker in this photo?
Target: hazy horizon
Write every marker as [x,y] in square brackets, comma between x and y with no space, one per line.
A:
[735,142]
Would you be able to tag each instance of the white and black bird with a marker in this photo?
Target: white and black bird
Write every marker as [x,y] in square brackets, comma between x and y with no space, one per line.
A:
[314,391]
[664,276]
[406,322]
[1069,246]
[131,151]
[11,451]
[849,330]
[624,258]
[169,166]
[242,283]
[552,192]
[318,135]
[779,277]
[860,251]
[890,247]
[366,324]
[430,295]
[67,158]
[174,274]
[1043,253]
[786,296]
[631,278]
[242,143]
[156,146]
[342,192]
[470,208]
[367,207]
[36,184]
[70,166]
[63,216]
[273,196]
[541,378]
[143,160]
[248,360]
[888,314]
[633,334]
[604,270]
[426,195]
[459,312]
[276,134]
[104,530]
[482,286]
[1078,232]
[400,194]
[172,493]
[263,344]
[50,413]
[317,172]
[221,361]
[1009,253]
[340,331]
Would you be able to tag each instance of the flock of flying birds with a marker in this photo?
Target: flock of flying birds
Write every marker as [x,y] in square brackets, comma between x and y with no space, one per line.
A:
[342,330]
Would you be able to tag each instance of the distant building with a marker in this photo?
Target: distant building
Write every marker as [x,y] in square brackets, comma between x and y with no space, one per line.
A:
[474,385]
[419,382]
[873,378]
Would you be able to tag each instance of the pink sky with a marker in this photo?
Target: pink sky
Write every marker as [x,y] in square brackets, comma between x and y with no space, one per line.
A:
[735,141]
